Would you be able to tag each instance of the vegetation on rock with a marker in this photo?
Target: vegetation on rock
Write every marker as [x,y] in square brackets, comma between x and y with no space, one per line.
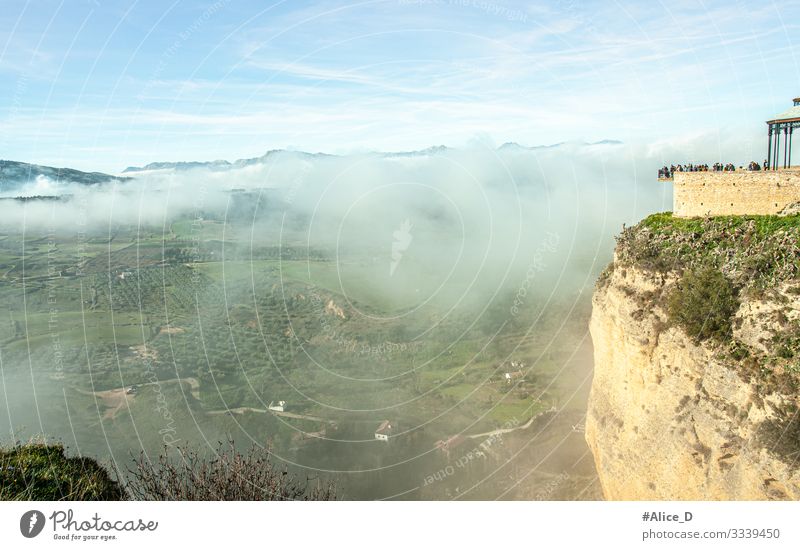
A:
[751,251]
[36,471]
[732,284]
[39,471]
[703,303]
[227,475]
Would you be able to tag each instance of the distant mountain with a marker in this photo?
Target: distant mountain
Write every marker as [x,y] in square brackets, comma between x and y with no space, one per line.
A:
[222,164]
[275,153]
[511,145]
[435,150]
[15,175]
[606,142]
[269,156]
[214,164]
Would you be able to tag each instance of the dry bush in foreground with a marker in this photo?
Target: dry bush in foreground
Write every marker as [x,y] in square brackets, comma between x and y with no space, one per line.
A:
[227,475]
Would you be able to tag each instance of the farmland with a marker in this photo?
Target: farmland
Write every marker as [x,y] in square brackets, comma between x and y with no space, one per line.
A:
[135,338]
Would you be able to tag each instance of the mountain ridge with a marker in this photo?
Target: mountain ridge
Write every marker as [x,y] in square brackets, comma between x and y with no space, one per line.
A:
[15,174]
[222,164]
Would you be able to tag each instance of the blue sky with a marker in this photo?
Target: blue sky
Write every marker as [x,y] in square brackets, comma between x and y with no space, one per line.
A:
[100,84]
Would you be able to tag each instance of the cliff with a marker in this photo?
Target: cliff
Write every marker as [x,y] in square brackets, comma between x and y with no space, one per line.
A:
[696,333]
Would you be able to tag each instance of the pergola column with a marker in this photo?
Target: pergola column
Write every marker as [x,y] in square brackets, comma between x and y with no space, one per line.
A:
[785,121]
[769,146]
[785,143]
[776,148]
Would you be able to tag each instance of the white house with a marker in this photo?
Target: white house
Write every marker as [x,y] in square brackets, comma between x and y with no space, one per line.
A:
[511,376]
[280,407]
[384,431]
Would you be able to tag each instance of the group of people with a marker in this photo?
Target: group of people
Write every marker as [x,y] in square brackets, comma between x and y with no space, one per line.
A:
[668,171]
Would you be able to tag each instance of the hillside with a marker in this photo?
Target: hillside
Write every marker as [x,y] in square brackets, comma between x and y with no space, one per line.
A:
[15,175]
[696,332]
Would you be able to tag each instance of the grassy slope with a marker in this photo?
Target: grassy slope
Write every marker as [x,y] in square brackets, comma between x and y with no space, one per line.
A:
[43,472]
[756,252]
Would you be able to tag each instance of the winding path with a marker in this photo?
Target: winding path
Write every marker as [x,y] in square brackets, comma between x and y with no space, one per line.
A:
[501,431]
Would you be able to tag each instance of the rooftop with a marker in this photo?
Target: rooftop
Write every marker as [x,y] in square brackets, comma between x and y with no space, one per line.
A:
[384,428]
[791,114]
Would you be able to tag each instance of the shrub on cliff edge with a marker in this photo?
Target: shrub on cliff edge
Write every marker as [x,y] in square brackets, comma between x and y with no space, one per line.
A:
[41,471]
[703,304]
[35,471]
[228,474]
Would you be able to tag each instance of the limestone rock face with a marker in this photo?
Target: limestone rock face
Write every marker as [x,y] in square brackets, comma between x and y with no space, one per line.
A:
[670,419]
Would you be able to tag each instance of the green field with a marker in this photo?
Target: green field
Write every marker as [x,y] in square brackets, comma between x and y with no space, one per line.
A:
[209,332]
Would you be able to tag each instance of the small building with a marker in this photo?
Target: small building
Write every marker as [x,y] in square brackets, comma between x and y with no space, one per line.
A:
[384,431]
[279,407]
[514,375]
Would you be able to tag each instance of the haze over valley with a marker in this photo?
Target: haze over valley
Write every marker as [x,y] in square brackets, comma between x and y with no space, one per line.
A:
[446,291]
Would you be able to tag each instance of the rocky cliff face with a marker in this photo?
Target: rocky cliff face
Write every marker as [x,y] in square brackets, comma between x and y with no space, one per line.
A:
[672,417]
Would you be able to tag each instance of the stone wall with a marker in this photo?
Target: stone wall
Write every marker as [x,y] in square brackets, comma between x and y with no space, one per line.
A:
[736,193]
